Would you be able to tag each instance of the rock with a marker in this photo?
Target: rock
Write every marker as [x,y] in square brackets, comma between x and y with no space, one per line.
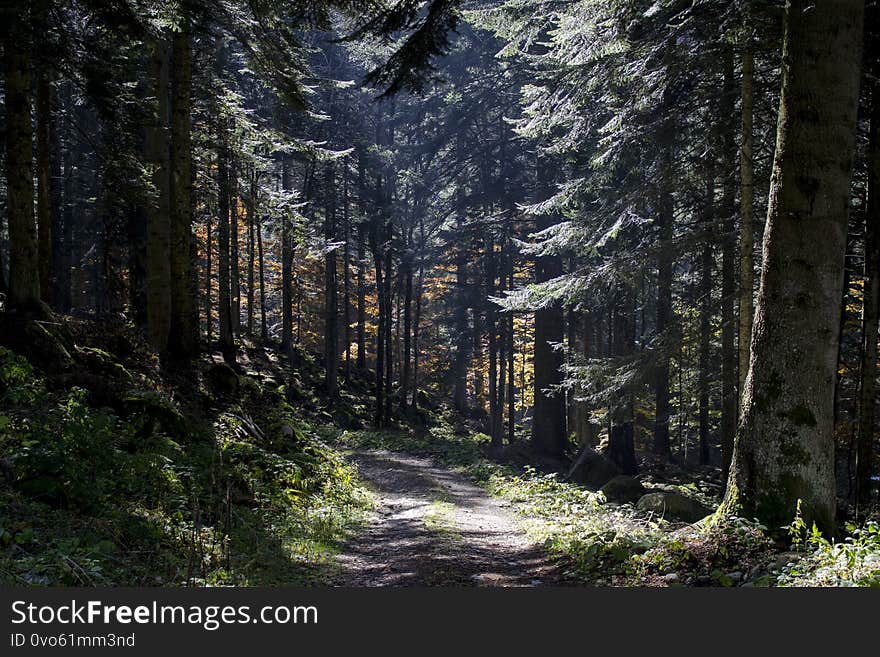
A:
[593,469]
[222,379]
[624,488]
[671,504]
[669,578]
[735,577]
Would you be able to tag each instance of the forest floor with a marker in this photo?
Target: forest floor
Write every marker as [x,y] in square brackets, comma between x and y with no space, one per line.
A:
[432,526]
[116,469]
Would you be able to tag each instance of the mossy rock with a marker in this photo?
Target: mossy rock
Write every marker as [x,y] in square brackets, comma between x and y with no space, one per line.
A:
[158,410]
[624,489]
[100,361]
[222,379]
[671,504]
[593,469]
[45,344]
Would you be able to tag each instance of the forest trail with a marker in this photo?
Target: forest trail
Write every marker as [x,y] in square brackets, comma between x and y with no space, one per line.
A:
[433,527]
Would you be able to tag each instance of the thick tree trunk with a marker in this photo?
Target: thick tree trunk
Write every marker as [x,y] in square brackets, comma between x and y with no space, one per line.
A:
[24,278]
[784,451]
[158,210]
[184,325]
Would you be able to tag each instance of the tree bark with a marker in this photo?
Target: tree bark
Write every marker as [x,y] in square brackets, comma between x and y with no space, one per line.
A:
[706,306]
[783,456]
[159,210]
[548,425]
[729,364]
[747,194]
[184,325]
[286,261]
[224,303]
[331,310]
[44,165]
[24,278]
[663,323]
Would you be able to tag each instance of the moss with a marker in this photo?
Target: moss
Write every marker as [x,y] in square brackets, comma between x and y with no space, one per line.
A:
[766,395]
[800,415]
[793,453]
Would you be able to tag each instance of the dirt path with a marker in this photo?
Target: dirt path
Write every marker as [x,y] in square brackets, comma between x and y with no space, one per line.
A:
[432,527]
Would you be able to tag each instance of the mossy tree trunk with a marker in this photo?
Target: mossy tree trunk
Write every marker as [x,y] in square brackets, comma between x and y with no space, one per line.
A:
[784,450]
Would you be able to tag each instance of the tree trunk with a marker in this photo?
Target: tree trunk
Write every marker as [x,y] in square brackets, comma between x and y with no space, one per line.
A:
[407,330]
[494,429]
[548,425]
[362,266]
[729,365]
[460,319]
[746,230]
[251,255]
[664,322]
[331,310]
[184,325]
[44,167]
[706,306]
[346,272]
[264,327]
[286,261]
[209,283]
[224,302]
[784,451]
[159,210]
[24,279]
[621,443]
[234,262]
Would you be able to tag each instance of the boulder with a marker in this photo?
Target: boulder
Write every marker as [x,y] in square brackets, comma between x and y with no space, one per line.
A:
[671,504]
[624,489]
[593,469]
[222,379]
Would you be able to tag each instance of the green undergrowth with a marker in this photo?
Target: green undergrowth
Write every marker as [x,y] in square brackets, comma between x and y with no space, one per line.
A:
[164,485]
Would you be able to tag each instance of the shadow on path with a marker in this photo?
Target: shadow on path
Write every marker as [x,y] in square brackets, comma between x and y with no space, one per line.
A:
[432,527]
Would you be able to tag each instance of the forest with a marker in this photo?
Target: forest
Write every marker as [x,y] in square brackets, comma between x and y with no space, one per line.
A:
[439,292]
